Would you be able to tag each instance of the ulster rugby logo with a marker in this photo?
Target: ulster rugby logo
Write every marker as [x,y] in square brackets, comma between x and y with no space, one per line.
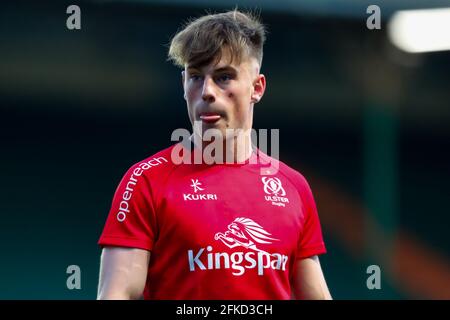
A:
[198,196]
[273,186]
[245,233]
[275,191]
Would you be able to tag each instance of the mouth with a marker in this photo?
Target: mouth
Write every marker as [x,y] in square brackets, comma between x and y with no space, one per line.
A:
[210,117]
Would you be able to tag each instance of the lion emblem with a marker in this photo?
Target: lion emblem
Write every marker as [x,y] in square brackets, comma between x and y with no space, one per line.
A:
[246,233]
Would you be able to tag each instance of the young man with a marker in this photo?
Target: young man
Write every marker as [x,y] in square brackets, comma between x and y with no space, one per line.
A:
[239,225]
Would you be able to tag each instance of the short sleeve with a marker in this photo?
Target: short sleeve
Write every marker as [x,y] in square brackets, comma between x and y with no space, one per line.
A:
[131,221]
[311,240]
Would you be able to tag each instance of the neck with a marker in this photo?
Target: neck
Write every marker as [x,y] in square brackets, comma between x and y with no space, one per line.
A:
[234,149]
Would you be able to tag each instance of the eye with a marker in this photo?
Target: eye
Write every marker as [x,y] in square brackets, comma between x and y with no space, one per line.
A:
[195,77]
[224,77]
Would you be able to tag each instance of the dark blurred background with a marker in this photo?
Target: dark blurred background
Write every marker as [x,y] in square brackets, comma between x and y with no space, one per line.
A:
[366,123]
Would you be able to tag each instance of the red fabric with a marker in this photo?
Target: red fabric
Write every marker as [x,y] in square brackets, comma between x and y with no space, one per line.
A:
[224,231]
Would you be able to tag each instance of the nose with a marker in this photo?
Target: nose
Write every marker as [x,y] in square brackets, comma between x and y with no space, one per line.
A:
[208,94]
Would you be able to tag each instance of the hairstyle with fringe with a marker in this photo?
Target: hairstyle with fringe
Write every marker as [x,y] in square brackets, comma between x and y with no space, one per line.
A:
[203,40]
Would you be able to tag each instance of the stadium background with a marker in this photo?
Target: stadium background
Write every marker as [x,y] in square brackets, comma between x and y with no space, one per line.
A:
[367,124]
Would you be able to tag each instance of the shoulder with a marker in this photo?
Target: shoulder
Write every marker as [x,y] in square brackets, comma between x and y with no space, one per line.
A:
[297,180]
[292,175]
[154,166]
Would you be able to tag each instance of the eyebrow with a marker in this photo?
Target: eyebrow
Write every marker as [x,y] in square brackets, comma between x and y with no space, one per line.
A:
[222,69]
[226,68]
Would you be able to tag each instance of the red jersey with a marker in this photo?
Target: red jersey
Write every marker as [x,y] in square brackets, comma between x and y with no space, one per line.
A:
[222,231]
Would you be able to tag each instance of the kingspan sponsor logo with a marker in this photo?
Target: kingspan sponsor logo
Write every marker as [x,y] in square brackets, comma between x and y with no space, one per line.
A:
[198,196]
[128,193]
[275,192]
[242,232]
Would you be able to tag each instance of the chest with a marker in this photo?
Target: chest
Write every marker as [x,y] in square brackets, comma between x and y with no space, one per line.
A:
[232,211]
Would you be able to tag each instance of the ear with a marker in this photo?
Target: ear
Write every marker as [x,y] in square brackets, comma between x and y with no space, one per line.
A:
[259,86]
[183,77]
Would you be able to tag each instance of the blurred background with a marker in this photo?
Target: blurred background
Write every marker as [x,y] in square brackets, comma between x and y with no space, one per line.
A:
[365,121]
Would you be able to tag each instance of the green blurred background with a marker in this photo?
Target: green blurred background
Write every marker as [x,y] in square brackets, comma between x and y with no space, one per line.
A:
[367,124]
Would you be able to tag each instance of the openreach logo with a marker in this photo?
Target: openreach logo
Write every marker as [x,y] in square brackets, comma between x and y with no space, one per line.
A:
[244,233]
[128,193]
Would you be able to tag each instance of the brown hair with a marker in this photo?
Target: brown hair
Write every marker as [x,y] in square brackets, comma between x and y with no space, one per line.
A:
[202,40]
